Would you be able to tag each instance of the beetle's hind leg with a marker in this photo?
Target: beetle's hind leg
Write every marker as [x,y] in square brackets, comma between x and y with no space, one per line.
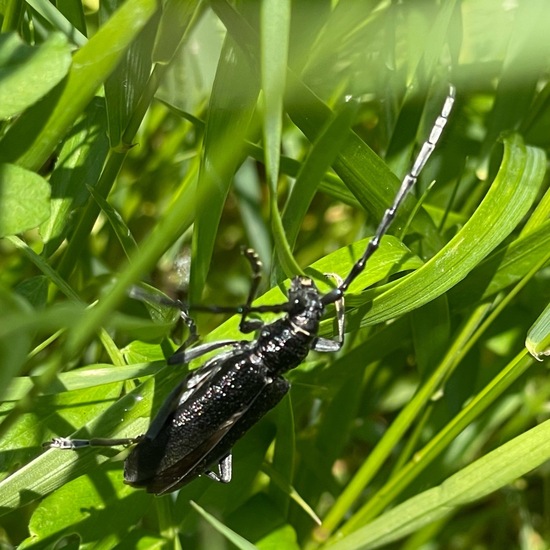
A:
[225,470]
[66,443]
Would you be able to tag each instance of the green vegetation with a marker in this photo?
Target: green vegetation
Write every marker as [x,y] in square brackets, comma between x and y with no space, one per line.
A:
[146,142]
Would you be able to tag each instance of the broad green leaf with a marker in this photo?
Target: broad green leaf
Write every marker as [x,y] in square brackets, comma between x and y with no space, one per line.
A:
[99,507]
[33,137]
[24,200]
[28,73]
[80,162]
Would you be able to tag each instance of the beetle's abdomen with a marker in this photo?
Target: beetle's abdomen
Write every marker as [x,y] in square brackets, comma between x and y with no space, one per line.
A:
[204,427]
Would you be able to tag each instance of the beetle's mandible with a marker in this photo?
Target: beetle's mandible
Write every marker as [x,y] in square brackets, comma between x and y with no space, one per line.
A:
[210,410]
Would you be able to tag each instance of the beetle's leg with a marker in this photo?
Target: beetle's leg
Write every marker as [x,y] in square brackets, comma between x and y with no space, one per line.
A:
[225,470]
[191,327]
[183,356]
[66,443]
[251,325]
[137,293]
[326,344]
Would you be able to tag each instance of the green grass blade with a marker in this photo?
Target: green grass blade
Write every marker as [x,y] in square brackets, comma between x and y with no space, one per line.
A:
[318,161]
[232,102]
[481,478]
[58,20]
[230,535]
[511,195]
[120,228]
[538,337]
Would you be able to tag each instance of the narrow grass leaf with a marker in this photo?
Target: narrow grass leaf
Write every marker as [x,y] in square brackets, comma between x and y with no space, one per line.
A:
[275,26]
[134,69]
[274,34]
[365,174]
[425,456]
[173,25]
[73,10]
[87,377]
[127,417]
[540,215]
[511,195]
[233,99]
[502,268]
[122,232]
[538,337]
[230,535]
[318,161]
[284,485]
[58,21]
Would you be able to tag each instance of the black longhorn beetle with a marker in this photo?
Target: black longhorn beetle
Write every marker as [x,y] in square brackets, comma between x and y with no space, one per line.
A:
[211,409]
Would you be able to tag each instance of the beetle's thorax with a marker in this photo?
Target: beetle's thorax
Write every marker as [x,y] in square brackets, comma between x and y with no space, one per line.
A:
[285,343]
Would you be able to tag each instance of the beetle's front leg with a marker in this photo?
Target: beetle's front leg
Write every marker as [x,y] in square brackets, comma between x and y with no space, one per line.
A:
[326,344]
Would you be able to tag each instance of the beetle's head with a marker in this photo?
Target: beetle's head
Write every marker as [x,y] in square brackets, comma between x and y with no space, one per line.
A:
[303,295]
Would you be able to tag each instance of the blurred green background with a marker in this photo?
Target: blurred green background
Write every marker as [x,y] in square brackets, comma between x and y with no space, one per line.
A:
[146,142]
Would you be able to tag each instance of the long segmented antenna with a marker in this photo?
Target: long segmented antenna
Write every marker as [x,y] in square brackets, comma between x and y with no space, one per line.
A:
[406,185]
[336,294]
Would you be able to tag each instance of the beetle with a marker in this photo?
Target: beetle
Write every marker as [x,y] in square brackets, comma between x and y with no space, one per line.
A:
[216,404]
